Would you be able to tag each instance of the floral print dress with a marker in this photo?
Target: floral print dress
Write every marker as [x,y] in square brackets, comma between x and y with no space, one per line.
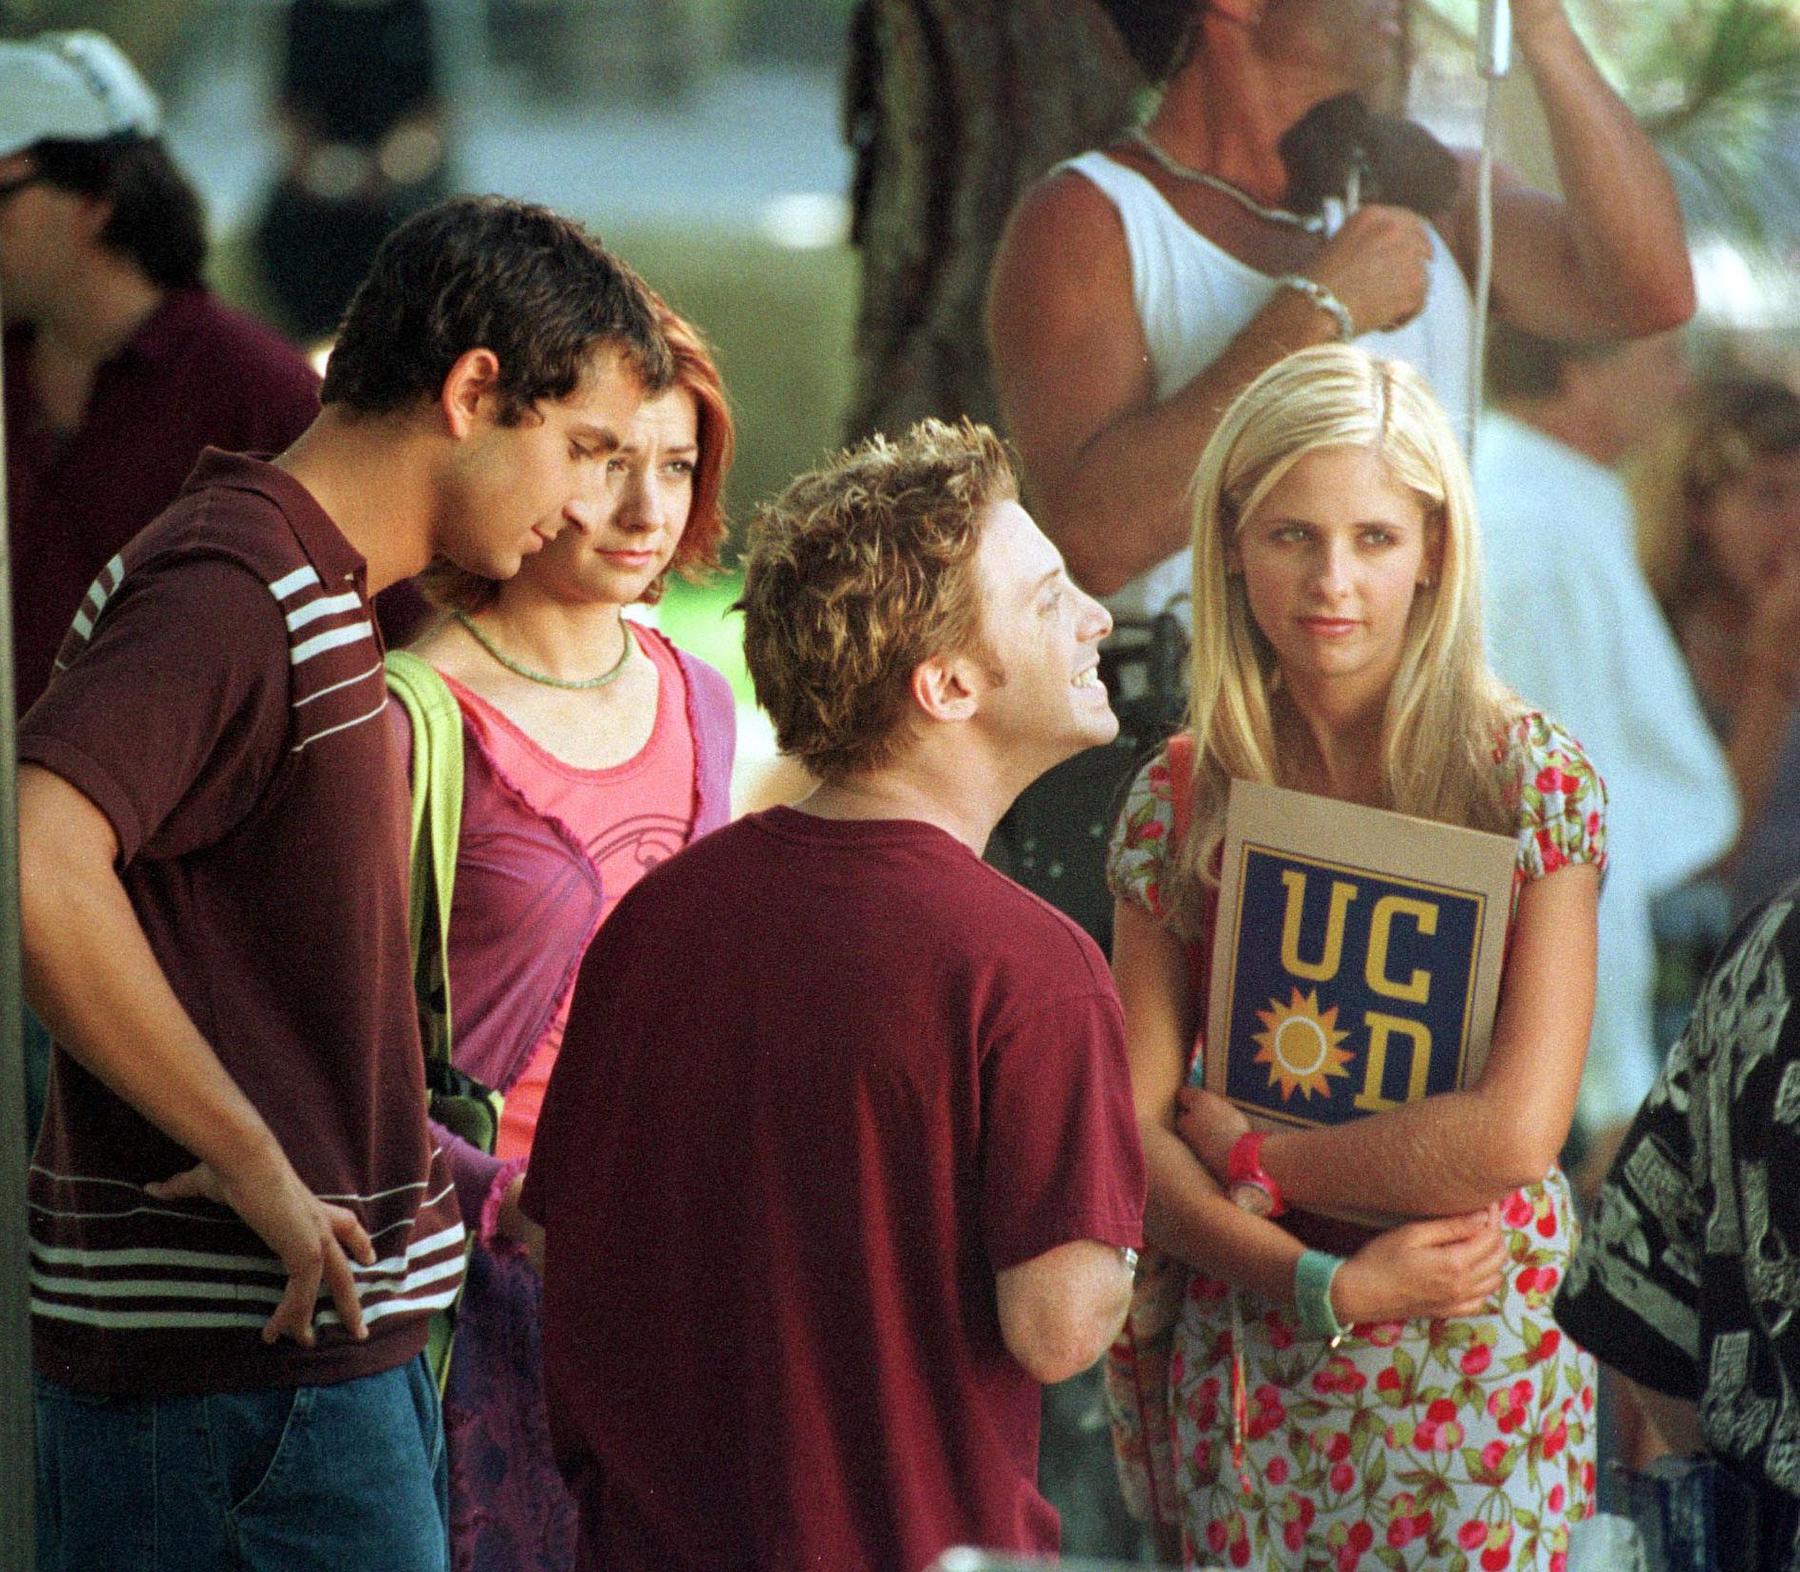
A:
[1444,1444]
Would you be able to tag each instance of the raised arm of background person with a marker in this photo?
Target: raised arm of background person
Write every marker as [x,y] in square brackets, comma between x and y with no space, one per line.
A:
[1107,466]
[1609,258]
[1060,1311]
[91,975]
[1445,1267]
[1459,1150]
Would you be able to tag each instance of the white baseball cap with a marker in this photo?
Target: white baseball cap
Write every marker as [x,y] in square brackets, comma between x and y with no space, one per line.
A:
[71,87]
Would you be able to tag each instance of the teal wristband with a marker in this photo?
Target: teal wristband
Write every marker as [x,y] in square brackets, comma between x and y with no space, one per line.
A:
[1313,1274]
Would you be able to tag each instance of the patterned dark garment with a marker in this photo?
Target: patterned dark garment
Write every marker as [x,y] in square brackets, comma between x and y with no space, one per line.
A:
[1687,1279]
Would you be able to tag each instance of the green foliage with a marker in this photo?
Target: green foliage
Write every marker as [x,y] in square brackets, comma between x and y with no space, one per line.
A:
[788,29]
[1720,48]
[1717,84]
[1731,136]
[699,618]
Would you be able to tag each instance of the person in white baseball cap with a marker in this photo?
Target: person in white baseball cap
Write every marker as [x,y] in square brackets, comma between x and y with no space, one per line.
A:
[120,366]
[90,202]
[74,87]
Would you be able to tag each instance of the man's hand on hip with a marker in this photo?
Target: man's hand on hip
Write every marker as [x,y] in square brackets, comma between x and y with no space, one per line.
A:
[309,1235]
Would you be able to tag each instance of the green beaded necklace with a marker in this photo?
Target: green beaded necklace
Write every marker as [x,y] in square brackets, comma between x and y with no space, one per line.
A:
[579,684]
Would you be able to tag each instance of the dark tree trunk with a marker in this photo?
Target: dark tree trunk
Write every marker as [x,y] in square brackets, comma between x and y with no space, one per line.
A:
[955,106]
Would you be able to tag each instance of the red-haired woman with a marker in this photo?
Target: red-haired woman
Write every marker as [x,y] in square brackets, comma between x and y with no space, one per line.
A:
[594,750]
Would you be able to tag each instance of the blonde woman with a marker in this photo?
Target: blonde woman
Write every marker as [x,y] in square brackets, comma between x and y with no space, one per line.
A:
[1337,650]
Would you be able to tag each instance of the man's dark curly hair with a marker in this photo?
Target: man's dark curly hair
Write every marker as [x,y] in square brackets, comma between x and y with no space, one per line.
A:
[490,273]
[1156,32]
[156,218]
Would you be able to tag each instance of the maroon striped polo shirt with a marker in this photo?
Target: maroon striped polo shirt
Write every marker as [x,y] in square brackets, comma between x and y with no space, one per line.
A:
[218,698]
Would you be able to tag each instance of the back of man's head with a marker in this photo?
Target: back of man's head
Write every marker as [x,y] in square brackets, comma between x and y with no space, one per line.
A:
[1523,367]
[489,273]
[89,123]
[1603,398]
[856,574]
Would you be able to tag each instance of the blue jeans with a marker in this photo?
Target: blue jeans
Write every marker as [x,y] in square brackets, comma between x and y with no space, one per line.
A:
[302,1479]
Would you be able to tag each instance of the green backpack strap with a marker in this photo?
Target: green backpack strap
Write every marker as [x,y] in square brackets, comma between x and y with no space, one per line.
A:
[437,794]
[457,1101]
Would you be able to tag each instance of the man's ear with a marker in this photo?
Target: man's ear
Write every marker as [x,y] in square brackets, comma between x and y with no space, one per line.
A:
[944,688]
[471,391]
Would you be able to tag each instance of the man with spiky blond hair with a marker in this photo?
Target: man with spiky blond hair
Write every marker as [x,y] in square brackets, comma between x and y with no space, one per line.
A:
[840,1160]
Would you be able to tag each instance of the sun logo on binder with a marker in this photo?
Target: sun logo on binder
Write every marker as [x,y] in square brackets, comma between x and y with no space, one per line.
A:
[1301,1045]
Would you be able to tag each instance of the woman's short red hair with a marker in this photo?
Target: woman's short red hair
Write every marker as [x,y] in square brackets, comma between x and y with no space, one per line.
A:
[456,589]
[698,374]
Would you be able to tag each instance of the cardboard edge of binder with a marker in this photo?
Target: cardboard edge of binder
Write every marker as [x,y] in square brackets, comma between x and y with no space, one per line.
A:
[1385,845]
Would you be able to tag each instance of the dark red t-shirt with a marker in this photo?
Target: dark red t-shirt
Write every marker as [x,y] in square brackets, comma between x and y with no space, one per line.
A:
[821,1081]
[222,706]
[197,374]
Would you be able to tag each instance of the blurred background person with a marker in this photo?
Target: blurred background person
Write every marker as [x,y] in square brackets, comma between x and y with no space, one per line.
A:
[364,128]
[120,364]
[1576,632]
[594,749]
[1719,512]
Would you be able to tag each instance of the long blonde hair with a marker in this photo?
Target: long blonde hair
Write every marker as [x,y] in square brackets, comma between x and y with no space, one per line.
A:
[1445,708]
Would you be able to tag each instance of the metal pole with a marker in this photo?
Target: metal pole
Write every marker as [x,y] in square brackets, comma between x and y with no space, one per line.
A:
[18,1466]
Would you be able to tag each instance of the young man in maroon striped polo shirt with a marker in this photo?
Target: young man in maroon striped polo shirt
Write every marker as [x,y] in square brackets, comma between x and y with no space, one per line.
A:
[240,1224]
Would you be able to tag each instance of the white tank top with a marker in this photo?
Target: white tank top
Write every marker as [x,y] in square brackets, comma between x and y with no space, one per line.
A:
[1193,298]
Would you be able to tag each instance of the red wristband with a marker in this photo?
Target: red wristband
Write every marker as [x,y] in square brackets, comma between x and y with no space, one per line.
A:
[1244,1171]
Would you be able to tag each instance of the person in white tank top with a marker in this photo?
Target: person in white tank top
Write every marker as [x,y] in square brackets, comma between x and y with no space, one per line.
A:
[1138,289]
[1192,297]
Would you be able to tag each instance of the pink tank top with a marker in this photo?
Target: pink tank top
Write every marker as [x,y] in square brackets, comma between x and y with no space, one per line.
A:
[629,818]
